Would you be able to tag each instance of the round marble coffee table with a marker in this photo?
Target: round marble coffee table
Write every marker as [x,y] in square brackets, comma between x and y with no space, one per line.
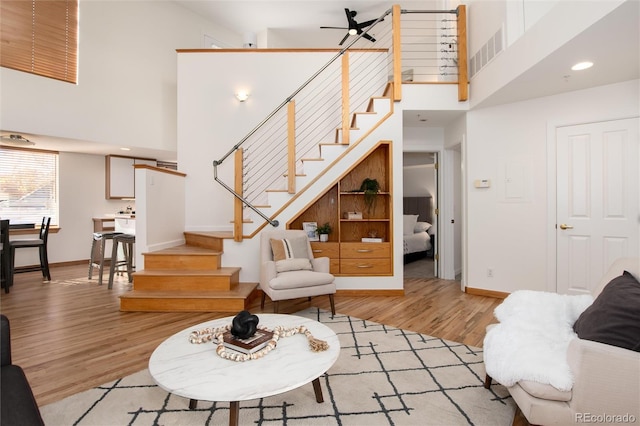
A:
[196,372]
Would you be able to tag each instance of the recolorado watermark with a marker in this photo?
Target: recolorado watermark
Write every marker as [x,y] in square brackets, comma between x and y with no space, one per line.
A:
[605,418]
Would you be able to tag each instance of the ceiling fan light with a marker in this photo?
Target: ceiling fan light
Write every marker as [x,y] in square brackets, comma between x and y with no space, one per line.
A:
[353,31]
[15,140]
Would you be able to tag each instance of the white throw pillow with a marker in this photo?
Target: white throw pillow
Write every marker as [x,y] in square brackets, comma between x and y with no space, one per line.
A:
[421,227]
[408,223]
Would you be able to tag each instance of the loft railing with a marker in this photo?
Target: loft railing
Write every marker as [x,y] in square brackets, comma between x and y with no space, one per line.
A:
[271,154]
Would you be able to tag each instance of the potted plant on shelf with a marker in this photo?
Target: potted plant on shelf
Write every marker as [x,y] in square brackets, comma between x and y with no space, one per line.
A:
[370,188]
[323,232]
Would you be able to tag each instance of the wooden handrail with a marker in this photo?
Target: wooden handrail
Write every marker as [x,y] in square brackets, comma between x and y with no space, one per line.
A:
[159,169]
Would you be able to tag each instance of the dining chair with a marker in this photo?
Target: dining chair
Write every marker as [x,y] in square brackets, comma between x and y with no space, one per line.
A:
[5,265]
[39,243]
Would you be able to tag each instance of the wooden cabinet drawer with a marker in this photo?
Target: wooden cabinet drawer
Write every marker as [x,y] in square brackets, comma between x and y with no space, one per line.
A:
[365,250]
[371,266]
[330,250]
[334,266]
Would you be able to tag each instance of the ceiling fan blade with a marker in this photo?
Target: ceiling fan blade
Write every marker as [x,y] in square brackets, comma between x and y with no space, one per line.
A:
[335,28]
[343,39]
[366,23]
[368,37]
[350,18]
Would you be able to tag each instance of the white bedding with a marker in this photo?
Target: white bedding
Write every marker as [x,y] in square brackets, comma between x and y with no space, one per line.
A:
[414,243]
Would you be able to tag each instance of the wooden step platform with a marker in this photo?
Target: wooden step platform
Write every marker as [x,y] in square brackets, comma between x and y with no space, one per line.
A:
[221,279]
[232,301]
[189,278]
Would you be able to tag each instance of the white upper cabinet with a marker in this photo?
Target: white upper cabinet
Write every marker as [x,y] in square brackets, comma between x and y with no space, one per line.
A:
[120,175]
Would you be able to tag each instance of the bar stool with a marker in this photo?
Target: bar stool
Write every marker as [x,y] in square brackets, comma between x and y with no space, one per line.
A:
[127,241]
[98,243]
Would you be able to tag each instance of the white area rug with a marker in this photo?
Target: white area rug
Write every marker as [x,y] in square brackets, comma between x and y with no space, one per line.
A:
[384,376]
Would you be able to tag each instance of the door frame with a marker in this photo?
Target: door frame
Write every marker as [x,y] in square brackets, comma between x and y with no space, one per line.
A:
[552,254]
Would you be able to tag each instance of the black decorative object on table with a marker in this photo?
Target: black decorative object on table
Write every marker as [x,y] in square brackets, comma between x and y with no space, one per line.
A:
[244,325]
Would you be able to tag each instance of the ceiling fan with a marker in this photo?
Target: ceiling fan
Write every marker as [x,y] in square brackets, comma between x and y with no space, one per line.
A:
[354,27]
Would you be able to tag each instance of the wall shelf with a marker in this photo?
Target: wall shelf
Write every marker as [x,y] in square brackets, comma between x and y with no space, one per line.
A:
[349,255]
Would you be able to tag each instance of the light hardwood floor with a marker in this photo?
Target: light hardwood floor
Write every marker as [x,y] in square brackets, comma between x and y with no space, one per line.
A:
[69,338]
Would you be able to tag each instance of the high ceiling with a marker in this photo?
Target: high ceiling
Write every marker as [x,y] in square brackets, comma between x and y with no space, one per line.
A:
[612,43]
[305,16]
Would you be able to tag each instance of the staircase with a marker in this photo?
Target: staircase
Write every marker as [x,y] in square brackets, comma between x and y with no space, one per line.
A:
[189,278]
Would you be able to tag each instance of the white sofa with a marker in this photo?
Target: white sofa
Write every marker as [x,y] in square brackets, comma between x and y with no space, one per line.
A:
[606,379]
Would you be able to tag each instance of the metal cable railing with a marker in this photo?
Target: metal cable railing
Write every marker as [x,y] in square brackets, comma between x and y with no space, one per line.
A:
[429,45]
[429,53]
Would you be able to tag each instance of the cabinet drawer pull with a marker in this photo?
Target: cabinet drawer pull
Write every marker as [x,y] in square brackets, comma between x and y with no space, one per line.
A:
[364,250]
[317,251]
[365,266]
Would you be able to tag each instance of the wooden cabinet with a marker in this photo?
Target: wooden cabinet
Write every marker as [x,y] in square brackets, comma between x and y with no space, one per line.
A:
[330,250]
[365,258]
[348,254]
[120,176]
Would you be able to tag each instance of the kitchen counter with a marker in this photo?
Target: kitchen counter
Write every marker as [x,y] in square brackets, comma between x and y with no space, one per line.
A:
[103,224]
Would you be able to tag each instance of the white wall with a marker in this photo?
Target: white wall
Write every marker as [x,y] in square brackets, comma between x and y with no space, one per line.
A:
[419,181]
[507,234]
[126,95]
[126,91]
[211,120]
[561,23]
[159,211]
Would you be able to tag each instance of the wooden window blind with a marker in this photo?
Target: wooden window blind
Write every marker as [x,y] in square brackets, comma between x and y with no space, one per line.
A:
[40,37]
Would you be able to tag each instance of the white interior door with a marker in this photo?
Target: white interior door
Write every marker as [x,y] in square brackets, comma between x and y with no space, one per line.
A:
[597,219]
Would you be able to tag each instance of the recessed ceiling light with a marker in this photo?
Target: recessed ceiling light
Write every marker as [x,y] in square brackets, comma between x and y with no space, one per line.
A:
[125,149]
[582,66]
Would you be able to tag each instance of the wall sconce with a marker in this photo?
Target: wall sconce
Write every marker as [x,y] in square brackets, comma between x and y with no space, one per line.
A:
[242,95]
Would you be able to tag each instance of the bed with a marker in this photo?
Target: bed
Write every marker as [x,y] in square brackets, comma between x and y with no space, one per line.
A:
[418,238]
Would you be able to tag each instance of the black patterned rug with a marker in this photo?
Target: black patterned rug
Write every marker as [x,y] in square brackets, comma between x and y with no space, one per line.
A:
[383,376]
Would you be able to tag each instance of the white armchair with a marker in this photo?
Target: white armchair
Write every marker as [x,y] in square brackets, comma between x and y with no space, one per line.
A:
[294,272]
[605,386]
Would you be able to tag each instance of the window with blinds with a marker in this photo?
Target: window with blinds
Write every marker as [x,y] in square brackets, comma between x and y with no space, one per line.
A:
[40,37]
[28,185]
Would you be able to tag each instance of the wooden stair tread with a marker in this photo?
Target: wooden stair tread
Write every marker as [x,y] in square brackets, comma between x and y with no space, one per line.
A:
[242,290]
[333,144]
[213,234]
[223,271]
[185,249]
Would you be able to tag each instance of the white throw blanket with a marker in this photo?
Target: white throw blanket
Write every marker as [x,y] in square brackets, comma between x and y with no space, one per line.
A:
[531,340]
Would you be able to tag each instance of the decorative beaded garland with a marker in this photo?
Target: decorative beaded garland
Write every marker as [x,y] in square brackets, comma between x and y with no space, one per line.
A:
[215,335]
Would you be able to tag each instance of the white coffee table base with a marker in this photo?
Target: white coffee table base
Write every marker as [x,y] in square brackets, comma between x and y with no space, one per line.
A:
[196,372]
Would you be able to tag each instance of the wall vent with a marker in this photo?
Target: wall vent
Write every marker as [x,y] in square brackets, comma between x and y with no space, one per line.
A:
[487,52]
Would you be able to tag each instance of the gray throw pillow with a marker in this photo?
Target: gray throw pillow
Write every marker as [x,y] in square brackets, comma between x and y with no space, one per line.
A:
[614,317]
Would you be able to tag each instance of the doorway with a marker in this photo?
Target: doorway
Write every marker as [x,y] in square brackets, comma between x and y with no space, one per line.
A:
[420,183]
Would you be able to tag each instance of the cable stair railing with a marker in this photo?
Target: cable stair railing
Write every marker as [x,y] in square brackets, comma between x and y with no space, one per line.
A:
[341,91]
